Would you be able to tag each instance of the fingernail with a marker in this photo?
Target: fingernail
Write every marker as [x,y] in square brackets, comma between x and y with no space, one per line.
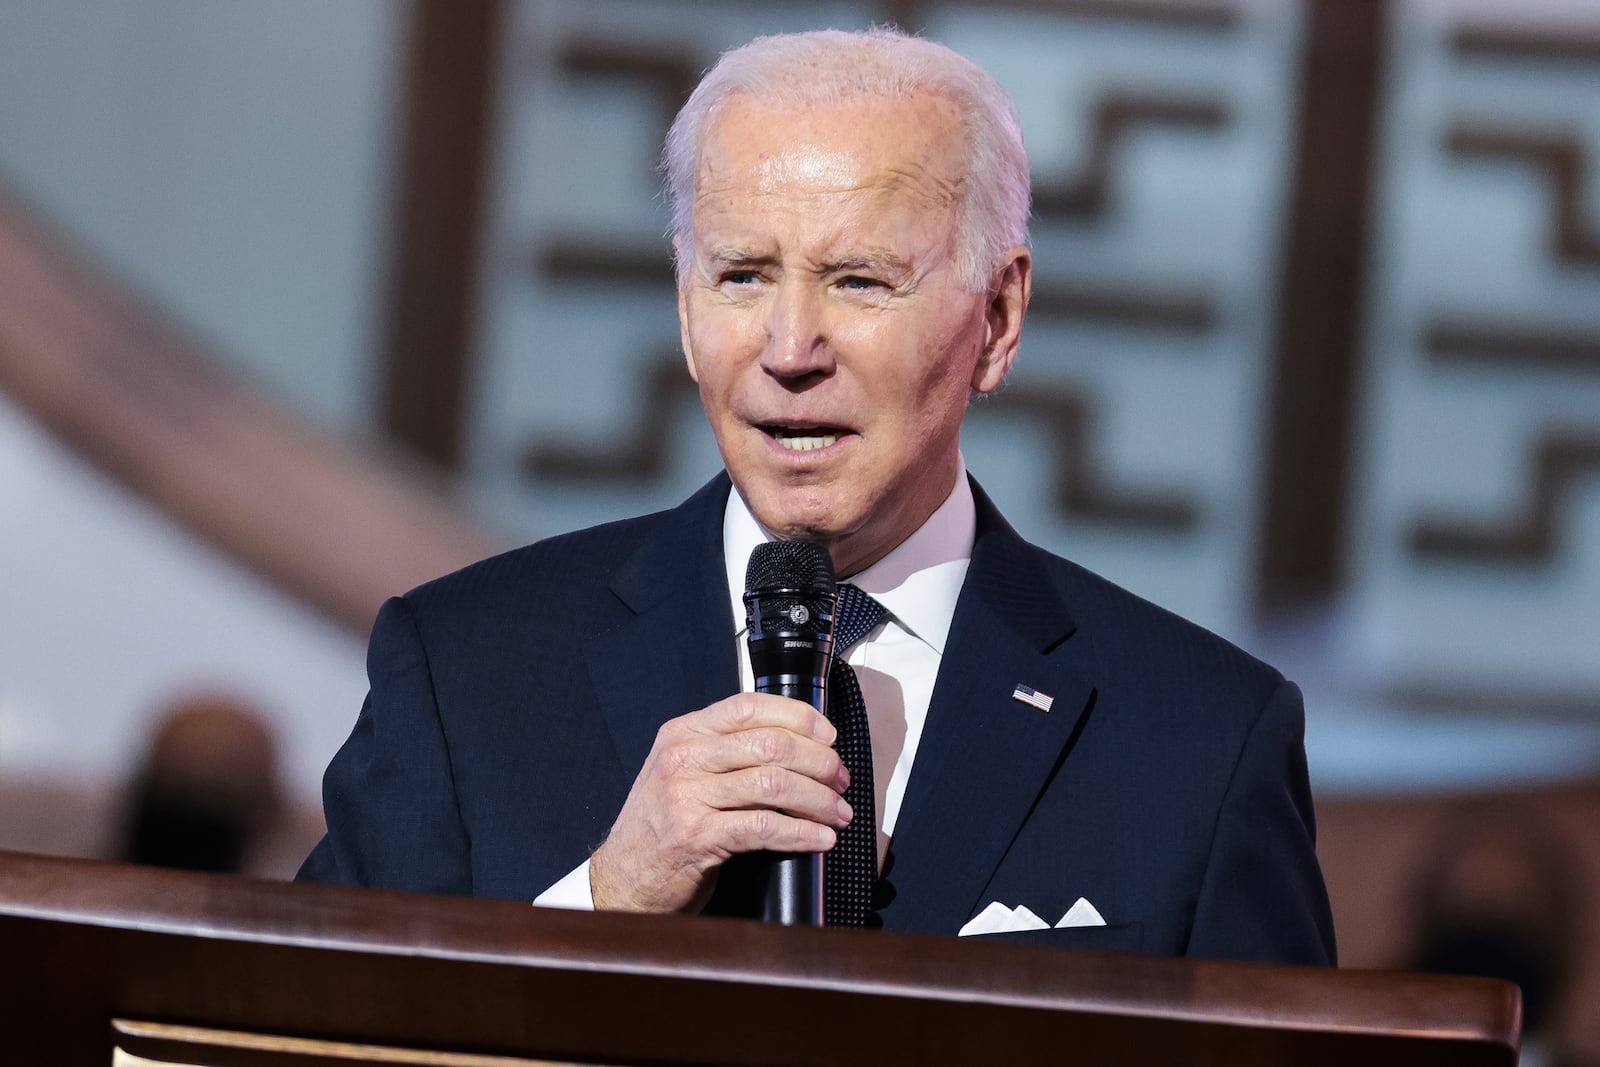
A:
[844,778]
[845,811]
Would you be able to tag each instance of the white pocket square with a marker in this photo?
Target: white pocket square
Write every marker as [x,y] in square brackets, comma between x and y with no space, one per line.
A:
[999,919]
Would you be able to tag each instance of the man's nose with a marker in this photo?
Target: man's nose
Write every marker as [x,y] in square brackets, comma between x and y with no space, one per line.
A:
[797,337]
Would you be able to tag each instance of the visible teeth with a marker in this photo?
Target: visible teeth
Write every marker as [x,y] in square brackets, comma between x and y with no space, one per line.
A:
[806,444]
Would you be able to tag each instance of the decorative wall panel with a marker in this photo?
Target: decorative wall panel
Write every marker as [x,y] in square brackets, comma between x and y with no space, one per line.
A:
[1478,513]
[1230,307]
[1129,432]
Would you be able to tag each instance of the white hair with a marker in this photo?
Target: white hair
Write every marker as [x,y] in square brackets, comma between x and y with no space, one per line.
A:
[832,67]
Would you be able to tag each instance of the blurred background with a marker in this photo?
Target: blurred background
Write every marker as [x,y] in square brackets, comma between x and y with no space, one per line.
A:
[304,303]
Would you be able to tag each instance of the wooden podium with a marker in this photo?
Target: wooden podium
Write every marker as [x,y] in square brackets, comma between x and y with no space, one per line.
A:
[107,963]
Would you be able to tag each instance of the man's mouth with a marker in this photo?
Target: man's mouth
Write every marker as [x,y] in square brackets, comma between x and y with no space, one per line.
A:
[803,438]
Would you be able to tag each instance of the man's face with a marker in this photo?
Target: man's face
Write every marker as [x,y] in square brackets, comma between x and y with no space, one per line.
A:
[824,322]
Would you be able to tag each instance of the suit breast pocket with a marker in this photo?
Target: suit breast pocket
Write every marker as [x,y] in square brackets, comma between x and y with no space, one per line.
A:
[1122,937]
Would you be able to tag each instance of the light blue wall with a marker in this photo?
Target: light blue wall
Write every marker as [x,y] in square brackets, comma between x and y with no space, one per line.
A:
[231,160]
[234,161]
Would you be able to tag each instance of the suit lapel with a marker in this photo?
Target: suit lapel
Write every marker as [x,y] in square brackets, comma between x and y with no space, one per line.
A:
[672,649]
[984,756]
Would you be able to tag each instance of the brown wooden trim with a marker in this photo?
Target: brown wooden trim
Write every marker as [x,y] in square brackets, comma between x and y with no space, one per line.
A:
[431,336]
[1560,460]
[577,260]
[909,15]
[1561,159]
[668,75]
[1191,15]
[146,405]
[637,457]
[1086,196]
[1570,45]
[1081,488]
[1502,703]
[1213,17]
[1121,308]
[174,1046]
[1504,344]
[499,977]
[1317,373]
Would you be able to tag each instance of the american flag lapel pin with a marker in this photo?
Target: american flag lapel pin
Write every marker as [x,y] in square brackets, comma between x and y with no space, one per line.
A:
[1032,697]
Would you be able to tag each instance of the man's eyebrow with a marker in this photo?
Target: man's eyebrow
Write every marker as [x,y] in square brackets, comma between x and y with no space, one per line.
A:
[872,262]
[730,256]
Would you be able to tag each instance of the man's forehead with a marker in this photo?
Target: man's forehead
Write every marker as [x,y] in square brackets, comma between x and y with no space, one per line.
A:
[841,185]
[876,229]
[837,146]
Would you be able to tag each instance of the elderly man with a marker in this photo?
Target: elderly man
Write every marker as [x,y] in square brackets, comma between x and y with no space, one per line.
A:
[1051,758]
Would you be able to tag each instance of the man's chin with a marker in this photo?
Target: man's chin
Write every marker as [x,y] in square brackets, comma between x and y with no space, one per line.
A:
[787,526]
[843,545]
[798,513]
[803,531]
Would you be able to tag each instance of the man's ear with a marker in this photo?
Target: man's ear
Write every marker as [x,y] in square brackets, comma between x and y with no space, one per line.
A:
[1003,314]
[683,311]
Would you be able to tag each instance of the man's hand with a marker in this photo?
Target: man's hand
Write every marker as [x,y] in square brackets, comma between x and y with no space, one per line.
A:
[751,772]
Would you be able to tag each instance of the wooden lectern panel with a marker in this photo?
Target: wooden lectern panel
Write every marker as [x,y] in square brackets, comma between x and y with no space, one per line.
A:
[163,1045]
[86,943]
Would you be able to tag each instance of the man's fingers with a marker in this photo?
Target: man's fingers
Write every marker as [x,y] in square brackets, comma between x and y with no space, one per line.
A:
[751,730]
[777,789]
[754,771]
[767,746]
[750,711]
[752,831]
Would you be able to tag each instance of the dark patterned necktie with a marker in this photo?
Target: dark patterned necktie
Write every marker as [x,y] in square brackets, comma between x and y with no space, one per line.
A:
[850,870]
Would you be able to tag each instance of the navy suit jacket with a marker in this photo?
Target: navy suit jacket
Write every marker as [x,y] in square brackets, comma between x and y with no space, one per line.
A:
[513,702]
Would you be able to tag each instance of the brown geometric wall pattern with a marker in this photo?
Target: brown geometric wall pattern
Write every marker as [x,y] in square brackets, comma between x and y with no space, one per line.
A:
[1561,461]
[660,75]
[1477,501]
[1316,321]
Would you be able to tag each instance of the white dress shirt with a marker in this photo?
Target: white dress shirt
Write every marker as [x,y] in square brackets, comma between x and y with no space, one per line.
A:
[918,584]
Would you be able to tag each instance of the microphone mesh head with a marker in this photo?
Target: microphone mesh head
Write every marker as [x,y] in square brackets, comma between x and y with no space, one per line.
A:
[789,565]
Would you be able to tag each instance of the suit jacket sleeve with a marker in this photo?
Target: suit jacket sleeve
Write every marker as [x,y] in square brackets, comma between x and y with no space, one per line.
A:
[389,795]
[1262,895]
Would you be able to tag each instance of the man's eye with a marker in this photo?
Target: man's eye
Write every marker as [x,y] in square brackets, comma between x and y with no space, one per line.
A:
[738,277]
[857,282]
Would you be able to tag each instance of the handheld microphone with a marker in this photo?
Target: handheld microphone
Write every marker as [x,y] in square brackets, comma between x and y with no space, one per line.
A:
[789,604]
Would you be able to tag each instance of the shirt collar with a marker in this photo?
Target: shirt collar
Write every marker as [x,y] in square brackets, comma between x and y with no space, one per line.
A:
[918,582]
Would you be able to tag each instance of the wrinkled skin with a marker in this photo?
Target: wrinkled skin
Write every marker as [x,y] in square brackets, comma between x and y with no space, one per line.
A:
[835,350]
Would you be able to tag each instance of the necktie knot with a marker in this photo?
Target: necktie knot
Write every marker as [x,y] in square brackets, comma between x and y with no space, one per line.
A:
[855,614]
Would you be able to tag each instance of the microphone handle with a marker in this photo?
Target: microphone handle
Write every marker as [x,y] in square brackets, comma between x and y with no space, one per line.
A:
[794,890]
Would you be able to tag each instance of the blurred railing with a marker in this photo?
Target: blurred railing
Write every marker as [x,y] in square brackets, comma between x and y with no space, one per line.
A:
[335,526]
